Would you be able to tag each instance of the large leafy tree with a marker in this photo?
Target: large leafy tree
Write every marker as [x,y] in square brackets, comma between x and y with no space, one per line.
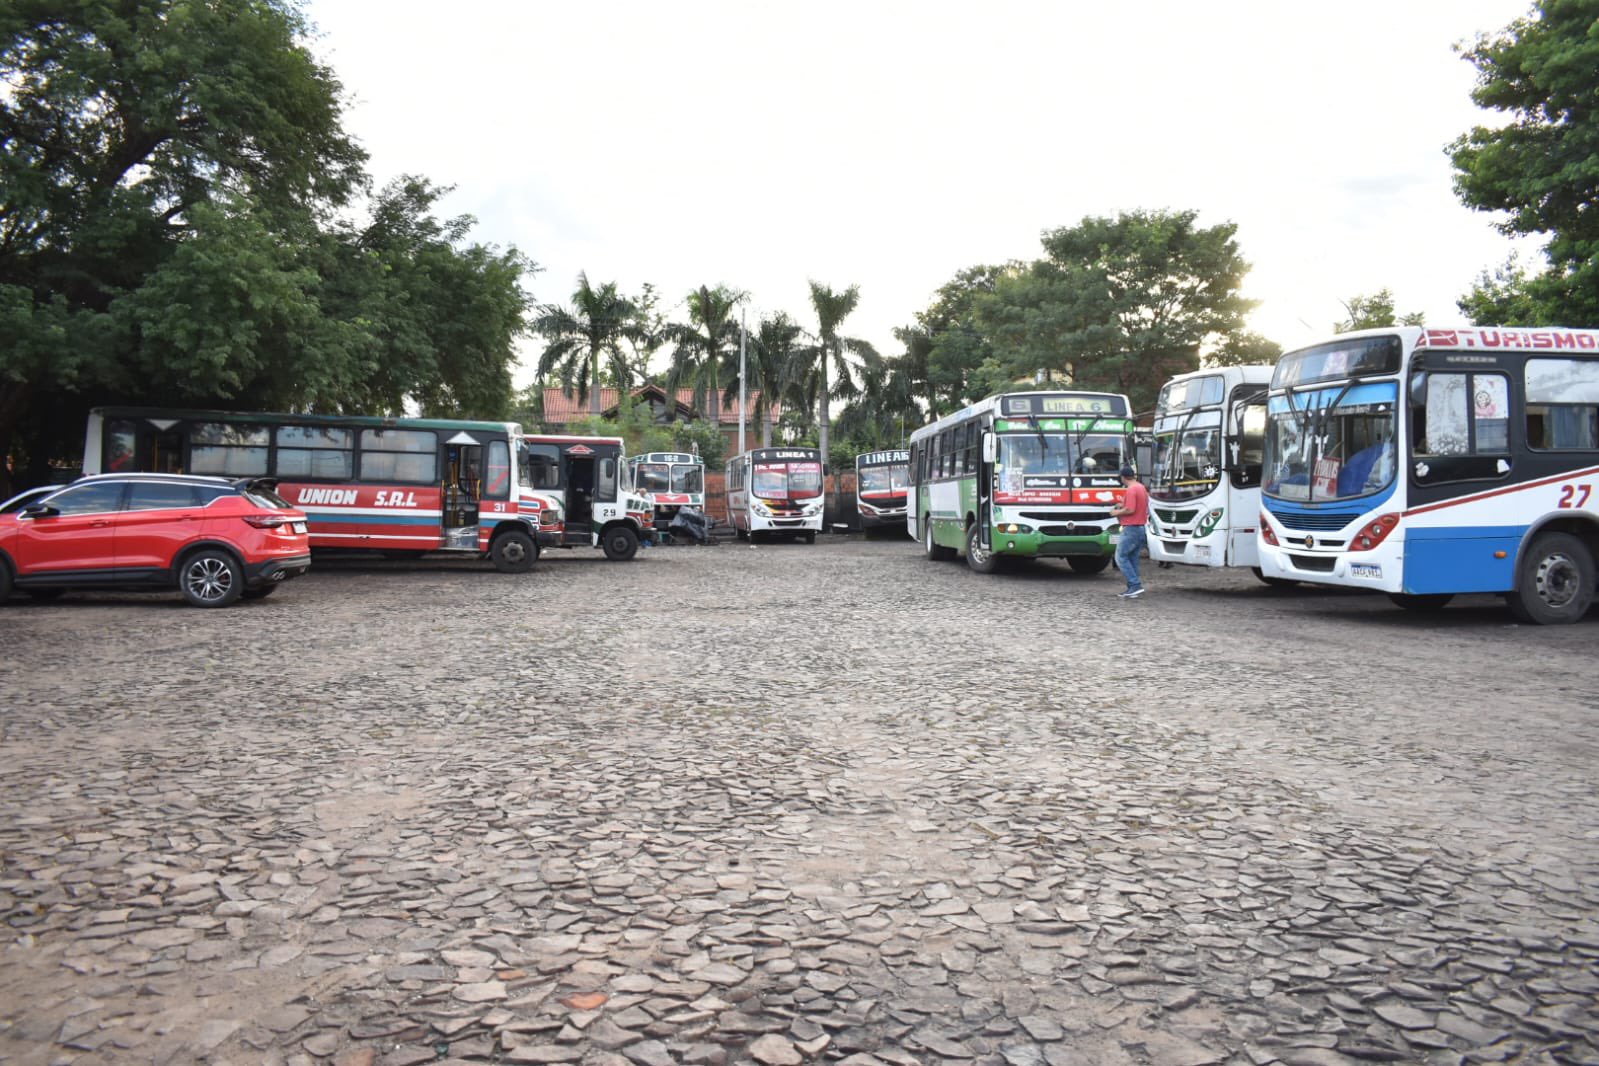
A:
[885,410]
[1373,311]
[1119,303]
[833,350]
[946,348]
[1540,166]
[181,222]
[705,351]
[585,335]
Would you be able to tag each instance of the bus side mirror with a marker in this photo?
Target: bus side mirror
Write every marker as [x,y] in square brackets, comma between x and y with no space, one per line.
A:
[990,446]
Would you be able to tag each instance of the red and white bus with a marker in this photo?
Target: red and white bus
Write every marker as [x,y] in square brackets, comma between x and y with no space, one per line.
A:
[400,486]
[588,478]
[775,490]
[671,480]
[882,485]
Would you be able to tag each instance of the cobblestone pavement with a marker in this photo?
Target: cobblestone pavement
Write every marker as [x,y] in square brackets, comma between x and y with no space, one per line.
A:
[789,804]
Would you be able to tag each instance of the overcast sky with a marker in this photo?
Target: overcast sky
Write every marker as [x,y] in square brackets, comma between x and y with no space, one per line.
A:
[890,145]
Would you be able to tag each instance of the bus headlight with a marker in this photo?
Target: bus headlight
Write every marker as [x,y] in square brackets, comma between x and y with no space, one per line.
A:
[813,509]
[761,509]
[1014,527]
[1374,532]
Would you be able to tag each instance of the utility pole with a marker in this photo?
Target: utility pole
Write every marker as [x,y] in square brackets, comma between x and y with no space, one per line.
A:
[743,383]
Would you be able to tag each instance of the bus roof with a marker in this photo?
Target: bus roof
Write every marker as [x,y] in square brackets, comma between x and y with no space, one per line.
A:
[989,403]
[558,438]
[278,418]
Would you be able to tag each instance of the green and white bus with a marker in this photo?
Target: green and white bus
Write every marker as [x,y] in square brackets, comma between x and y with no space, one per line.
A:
[1024,474]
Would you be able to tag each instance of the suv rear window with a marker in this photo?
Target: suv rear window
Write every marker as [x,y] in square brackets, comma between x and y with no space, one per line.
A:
[262,496]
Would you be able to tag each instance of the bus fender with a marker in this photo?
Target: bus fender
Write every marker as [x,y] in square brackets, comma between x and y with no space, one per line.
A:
[1583,525]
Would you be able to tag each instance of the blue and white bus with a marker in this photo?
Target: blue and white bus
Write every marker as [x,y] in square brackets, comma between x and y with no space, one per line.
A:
[1428,463]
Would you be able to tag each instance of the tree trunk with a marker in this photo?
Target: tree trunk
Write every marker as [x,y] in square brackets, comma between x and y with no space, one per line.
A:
[594,385]
[824,421]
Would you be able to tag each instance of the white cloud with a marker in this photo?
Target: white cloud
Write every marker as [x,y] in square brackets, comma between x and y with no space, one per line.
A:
[892,144]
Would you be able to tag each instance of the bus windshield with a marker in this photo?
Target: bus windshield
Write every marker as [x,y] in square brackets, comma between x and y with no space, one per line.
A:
[688,479]
[787,481]
[1063,453]
[654,477]
[540,466]
[1331,443]
[1188,460]
[891,479]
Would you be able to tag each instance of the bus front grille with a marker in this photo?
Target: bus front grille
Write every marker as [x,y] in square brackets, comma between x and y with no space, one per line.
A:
[1064,516]
[1072,531]
[1317,563]
[1176,518]
[1320,521]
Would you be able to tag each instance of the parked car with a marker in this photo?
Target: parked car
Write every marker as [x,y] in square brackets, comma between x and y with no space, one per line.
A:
[213,539]
[27,496]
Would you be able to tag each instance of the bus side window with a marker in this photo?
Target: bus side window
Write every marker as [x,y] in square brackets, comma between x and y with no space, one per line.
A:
[606,490]
[1460,426]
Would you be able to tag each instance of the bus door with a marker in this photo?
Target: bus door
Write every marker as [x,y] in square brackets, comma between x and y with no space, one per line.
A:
[145,445]
[985,490]
[579,491]
[463,489]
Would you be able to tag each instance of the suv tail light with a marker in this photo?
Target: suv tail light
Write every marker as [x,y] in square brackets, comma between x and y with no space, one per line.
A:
[266,521]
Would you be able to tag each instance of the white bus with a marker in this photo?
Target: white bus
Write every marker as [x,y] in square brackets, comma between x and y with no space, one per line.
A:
[588,478]
[775,490]
[1204,480]
[400,486]
[881,485]
[671,481]
[1025,474]
[1427,463]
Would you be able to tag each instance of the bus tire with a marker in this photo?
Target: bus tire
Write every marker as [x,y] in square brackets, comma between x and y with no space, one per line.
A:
[1436,601]
[979,559]
[513,552]
[1554,581]
[934,551]
[620,543]
[210,578]
[810,537]
[1088,564]
[1274,582]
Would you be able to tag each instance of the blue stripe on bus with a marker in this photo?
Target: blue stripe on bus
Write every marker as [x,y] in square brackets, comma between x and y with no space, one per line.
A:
[1365,506]
[1461,558]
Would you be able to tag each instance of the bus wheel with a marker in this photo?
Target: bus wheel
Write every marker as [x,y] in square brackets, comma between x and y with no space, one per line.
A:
[1088,564]
[513,552]
[621,543]
[980,559]
[1554,583]
[934,551]
[810,538]
[1413,602]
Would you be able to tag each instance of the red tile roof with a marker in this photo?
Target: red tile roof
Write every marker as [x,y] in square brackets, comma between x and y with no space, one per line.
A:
[560,408]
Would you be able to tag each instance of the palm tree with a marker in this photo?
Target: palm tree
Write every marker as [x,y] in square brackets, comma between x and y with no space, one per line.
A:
[703,347]
[595,326]
[774,352]
[832,308]
[885,408]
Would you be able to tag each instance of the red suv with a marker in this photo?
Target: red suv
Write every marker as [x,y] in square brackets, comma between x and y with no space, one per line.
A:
[213,539]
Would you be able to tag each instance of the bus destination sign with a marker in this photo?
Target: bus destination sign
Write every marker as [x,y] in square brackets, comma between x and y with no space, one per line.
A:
[1062,404]
[878,458]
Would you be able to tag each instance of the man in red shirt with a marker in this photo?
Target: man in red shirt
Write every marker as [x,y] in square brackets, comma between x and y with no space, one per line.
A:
[1134,514]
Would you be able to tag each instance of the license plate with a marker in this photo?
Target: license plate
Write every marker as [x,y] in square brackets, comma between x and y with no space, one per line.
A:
[1365,570]
[1201,551]
[1115,538]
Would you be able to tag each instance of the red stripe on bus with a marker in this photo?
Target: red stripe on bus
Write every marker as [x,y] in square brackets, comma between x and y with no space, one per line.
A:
[1568,476]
